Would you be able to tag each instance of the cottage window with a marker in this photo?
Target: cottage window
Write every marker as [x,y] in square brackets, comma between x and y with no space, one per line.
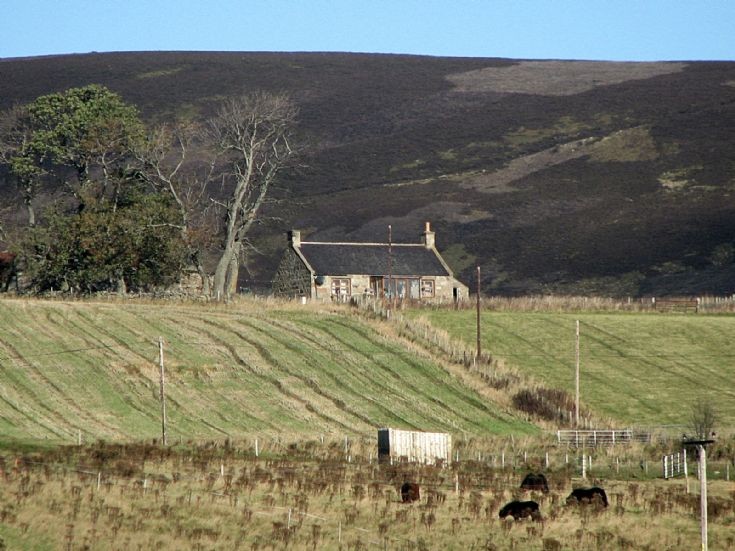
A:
[340,287]
[402,287]
[427,288]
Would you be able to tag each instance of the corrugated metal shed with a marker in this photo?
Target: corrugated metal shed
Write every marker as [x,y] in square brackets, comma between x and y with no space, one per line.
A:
[414,446]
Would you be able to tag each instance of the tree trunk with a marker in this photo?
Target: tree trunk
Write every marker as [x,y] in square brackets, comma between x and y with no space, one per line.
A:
[205,279]
[232,245]
[122,289]
[28,194]
[31,215]
[233,271]
[220,273]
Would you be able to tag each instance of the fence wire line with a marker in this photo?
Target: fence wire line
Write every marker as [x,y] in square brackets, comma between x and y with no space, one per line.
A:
[509,467]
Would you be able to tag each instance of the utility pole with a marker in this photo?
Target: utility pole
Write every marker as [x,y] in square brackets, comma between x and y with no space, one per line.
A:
[703,493]
[576,380]
[701,447]
[479,346]
[391,290]
[163,394]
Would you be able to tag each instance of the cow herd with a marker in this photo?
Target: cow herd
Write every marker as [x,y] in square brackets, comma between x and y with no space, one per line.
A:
[410,492]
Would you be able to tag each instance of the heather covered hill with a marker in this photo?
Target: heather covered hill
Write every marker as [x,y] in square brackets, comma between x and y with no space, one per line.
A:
[584,177]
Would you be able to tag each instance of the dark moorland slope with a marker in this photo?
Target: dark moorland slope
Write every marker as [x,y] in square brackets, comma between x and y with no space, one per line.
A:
[577,177]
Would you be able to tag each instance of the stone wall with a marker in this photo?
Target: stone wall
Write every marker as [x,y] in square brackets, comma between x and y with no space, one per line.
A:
[292,278]
[360,286]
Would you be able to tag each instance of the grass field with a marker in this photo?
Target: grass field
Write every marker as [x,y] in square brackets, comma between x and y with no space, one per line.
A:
[230,371]
[638,368]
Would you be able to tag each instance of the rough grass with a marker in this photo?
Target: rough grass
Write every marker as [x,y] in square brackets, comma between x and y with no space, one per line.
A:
[222,497]
[638,368]
[230,371]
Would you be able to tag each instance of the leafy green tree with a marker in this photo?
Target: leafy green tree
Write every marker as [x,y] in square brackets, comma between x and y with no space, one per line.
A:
[111,232]
[15,138]
[84,136]
[133,247]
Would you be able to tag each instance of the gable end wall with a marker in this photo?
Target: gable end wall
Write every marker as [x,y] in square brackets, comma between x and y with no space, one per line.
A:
[293,278]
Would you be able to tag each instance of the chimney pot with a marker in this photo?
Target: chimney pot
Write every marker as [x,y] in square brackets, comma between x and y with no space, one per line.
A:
[428,237]
[294,238]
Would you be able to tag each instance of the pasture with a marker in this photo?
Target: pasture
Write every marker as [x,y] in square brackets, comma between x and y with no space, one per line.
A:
[272,411]
[308,496]
[640,369]
[250,368]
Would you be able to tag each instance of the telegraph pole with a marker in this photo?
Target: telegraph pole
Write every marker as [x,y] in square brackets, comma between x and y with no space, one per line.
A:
[701,447]
[163,394]
[391,290]
[479,345]
[576,380]
[703,494]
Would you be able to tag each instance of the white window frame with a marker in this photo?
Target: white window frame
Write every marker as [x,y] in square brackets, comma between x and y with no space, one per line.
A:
[338,286]
[432,284]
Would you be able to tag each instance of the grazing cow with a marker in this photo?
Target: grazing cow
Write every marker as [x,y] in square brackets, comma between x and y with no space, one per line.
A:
[410,492]
[535,482]
[587,495]
[521,509]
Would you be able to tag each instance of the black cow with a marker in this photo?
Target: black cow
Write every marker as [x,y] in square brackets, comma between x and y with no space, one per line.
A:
[535,482]
[521,509]
[410,492]
[587,495]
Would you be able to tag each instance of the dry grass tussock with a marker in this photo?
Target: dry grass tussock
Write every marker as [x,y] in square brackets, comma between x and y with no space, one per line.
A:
[307,497]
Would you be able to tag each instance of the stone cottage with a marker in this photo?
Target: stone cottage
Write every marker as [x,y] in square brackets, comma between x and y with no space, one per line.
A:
[321,270]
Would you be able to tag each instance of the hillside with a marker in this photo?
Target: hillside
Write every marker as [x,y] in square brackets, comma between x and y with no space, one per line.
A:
[644,369]
[564,177]
[231,372]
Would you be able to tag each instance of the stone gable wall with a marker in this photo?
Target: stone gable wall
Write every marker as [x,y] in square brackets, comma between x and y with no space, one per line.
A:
[292,279]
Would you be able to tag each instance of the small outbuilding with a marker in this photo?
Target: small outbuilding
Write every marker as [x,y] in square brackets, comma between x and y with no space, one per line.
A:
[321,270]
[395,445]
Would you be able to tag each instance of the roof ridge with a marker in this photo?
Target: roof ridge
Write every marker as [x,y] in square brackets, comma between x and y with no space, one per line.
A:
[370,244]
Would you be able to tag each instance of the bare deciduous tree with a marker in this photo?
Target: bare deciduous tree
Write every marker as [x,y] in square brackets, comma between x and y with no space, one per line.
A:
[703,419]
[252,134]
[169,167]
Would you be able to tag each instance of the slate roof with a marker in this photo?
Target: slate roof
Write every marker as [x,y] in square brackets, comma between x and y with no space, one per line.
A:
[371,259]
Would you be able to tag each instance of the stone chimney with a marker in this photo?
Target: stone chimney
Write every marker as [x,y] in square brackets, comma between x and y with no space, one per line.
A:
[428,237]
[294,238]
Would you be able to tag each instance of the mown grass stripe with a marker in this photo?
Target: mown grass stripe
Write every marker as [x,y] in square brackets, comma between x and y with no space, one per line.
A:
[344,383]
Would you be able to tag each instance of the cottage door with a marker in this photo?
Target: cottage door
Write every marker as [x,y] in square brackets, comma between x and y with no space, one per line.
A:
[376,285]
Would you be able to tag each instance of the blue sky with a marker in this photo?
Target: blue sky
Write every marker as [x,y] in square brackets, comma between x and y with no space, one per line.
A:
[552,29]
